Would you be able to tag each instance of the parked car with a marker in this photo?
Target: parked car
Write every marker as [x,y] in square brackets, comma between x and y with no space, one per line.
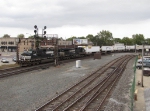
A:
[145,64]
[144,59]
[14,59]
[146,72]
[4,60]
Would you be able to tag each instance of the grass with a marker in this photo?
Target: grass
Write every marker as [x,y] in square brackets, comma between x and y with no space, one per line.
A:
[9,66]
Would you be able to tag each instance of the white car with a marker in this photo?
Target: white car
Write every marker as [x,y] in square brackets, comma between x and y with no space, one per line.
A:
[4,60]
[144,59]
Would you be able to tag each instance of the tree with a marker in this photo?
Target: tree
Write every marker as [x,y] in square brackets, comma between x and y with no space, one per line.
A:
[106,37]
[148,41]
[127,41]
[138,38]
[117,40]
[81,37]
[71,38]
[89,37]
[6,36]
[20,36]
[31,37]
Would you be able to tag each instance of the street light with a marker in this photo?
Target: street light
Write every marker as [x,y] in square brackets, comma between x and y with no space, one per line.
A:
[17,49]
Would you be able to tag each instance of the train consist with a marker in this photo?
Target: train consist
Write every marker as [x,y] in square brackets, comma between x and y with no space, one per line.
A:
[43,55]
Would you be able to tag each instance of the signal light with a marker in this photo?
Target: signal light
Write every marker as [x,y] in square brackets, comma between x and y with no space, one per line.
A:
[35,31]
[44,32]
[35,26]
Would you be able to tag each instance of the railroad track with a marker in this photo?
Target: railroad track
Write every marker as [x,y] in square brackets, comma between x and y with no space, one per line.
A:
[19,70]
[91,93]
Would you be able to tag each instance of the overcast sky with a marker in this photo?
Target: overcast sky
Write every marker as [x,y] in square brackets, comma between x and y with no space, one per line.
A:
[67,18]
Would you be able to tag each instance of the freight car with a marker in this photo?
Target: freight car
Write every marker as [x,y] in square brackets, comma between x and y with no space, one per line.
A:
[91,49]
[44,55]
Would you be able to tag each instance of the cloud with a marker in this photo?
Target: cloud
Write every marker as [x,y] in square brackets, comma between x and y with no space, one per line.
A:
[74,17]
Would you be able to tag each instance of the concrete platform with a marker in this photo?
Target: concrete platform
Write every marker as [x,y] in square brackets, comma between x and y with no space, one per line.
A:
[140,104]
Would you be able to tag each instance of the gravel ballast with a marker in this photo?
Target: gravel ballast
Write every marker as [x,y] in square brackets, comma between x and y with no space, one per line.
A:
[120,99]
[27,91]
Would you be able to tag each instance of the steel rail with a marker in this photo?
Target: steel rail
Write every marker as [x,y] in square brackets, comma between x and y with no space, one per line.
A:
[83,86]
[119,75]
[101,90]
[17,70]
[100,85]
[112,62]
[53,99]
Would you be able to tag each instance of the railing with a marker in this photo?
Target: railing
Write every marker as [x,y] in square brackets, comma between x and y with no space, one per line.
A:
[132,90]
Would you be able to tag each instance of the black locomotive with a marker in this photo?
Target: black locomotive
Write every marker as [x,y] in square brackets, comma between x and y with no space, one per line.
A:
[43,55]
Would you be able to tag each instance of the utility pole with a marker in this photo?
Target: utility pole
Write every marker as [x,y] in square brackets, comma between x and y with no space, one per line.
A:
[36,37]
[143,44]
[17,49]
[142,65]
[55,42]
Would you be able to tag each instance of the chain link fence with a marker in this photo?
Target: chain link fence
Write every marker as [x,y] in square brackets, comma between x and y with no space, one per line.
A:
[132,90]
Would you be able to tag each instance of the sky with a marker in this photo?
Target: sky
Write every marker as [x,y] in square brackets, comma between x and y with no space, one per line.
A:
[68,18]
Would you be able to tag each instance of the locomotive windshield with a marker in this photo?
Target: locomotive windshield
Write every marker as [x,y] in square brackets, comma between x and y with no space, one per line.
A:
[26,53]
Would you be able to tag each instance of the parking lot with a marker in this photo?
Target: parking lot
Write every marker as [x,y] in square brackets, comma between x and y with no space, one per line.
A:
[8,56]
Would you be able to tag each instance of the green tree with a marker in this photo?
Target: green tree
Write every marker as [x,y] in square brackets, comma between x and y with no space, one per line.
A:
[20,36]
[31,37]
[91,38]
[6,36]
[117,40]
[71,38]
[127,41]
[106,37]
[138,38]
[81,37]
[148,41]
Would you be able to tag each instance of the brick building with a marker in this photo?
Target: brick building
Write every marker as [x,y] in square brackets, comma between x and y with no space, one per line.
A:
[8,44]
[26,44]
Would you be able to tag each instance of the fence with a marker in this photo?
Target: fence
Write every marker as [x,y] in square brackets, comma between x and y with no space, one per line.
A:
[132,90]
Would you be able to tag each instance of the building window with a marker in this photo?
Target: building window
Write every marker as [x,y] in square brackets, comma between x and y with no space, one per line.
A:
[24,42]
